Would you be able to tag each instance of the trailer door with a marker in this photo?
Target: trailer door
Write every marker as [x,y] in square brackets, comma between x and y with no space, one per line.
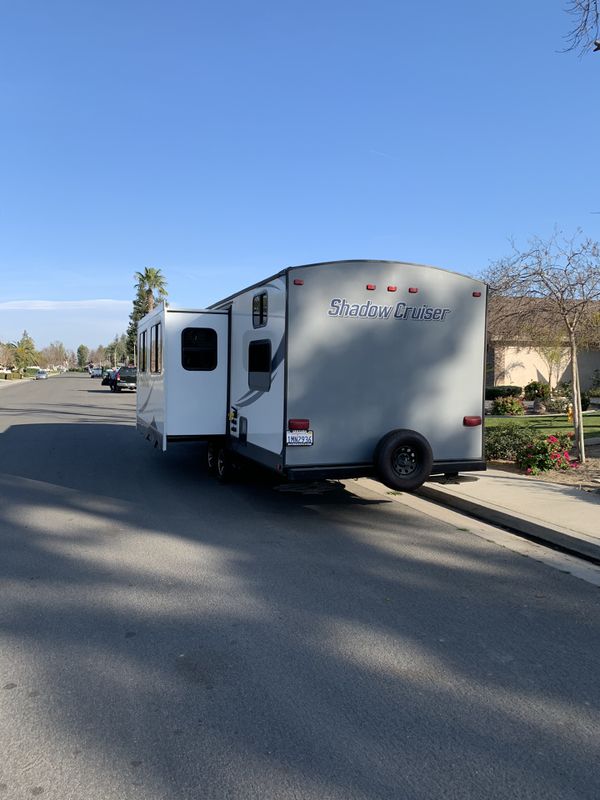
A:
[197,363]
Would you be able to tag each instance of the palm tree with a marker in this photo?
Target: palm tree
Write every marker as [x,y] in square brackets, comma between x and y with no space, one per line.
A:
[151,286]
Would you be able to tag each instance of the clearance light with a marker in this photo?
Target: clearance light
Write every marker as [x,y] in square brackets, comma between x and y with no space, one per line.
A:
[413,290]
[471,422]
[392,288]
[298,424]
[476,294]
[298,282]
[371,287]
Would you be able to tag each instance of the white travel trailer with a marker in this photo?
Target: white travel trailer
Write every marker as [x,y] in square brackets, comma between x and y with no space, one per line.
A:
[340,369]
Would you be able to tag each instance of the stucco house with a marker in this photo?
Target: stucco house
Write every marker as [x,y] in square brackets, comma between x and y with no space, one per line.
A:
[535,349]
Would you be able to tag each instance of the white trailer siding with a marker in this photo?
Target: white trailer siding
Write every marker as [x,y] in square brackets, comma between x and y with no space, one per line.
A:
[181,398]
[256,410]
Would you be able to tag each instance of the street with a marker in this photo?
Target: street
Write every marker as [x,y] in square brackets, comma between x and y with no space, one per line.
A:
[164,636]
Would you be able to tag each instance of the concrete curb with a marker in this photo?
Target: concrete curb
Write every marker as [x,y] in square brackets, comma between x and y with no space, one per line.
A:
[577,543]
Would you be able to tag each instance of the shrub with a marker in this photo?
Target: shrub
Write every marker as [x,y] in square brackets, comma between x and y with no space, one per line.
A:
[557,405]
[492,392]
[543,453]
[508,405]
[585,401]
[536,390]
[503,441]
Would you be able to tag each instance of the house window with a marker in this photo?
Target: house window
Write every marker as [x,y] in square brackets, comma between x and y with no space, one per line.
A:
[259,365]
[199,349]
[156,348]
[142,355]
[260,307]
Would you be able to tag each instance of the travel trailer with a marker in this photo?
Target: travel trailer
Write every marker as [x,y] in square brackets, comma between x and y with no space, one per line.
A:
[340,369]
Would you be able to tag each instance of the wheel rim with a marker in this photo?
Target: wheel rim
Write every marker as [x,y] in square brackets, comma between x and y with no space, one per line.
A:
[405,460]
[210,457]
[221,464]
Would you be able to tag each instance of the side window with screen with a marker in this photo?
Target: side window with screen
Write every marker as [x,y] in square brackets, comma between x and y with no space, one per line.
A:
[260,308]
[156,348]
[199,349]
[142,360]
[259,365]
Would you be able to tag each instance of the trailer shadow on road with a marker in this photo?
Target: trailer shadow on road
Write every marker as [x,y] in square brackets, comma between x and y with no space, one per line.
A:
[187,634]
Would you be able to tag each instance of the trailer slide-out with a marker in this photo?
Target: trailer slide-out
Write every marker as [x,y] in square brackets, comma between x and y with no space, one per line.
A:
[340,369]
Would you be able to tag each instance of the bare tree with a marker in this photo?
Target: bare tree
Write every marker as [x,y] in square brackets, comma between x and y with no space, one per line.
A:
[585,32]
[563,277]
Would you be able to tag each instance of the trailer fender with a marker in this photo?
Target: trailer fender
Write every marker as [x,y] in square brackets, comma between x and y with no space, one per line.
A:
[403,460]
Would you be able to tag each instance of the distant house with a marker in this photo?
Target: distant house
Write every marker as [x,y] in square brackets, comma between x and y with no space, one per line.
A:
[518,352]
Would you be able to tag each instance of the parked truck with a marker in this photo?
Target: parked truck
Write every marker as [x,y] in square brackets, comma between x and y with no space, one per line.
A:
[339,369]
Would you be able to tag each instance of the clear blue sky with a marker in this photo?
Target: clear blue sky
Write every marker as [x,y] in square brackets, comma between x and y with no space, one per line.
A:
[222,142]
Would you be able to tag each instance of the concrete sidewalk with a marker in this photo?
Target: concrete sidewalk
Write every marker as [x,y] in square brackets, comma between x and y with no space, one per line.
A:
[563,515]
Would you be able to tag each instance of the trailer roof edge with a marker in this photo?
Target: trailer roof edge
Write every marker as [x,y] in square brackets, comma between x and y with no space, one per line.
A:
[284,271]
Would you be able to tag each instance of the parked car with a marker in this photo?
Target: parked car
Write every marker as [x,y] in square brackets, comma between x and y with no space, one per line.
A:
[124,378]
[96,372]
[41,375]
[107,377]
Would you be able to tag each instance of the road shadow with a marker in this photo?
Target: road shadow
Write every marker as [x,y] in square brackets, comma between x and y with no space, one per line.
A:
[230,640]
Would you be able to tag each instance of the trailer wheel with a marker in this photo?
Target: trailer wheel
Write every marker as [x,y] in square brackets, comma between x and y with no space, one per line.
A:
[211,457]
[403,460]
[224,465]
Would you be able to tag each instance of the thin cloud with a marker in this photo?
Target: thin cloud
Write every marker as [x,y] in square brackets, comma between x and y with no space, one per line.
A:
[63,305]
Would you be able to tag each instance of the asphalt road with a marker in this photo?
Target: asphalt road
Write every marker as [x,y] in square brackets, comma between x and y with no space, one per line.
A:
[163,636]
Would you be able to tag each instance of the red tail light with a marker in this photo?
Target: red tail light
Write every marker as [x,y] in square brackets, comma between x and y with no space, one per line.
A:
[298,424]
[471,422]
[371,287]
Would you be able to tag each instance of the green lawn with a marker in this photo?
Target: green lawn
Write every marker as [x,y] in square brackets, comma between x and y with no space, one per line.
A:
[550,424]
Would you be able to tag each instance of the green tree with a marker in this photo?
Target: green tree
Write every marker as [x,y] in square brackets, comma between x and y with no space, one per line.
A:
[24,353]
[116,351]
[83,355]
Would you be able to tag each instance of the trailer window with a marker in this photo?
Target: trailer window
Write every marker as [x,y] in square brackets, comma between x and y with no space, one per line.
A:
[156,348]
[199,349]
[141,354]
[259,365]
[260,308]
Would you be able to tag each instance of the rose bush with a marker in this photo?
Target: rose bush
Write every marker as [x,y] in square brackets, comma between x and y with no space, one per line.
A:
[543,453]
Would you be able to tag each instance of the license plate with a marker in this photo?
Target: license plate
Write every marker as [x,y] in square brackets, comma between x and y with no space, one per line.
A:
[299,438]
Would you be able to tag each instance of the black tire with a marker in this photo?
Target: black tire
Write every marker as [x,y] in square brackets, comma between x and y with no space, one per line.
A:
[403,460]
[211,458]
[224,465]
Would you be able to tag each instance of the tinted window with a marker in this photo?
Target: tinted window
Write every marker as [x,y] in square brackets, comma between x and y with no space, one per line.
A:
[259,310]
[199,349]
[142,351]
[156,348]
[259,365]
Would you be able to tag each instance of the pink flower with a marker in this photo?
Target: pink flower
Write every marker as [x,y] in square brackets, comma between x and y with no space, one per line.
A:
[553,439]
[566,455]
[528,470]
